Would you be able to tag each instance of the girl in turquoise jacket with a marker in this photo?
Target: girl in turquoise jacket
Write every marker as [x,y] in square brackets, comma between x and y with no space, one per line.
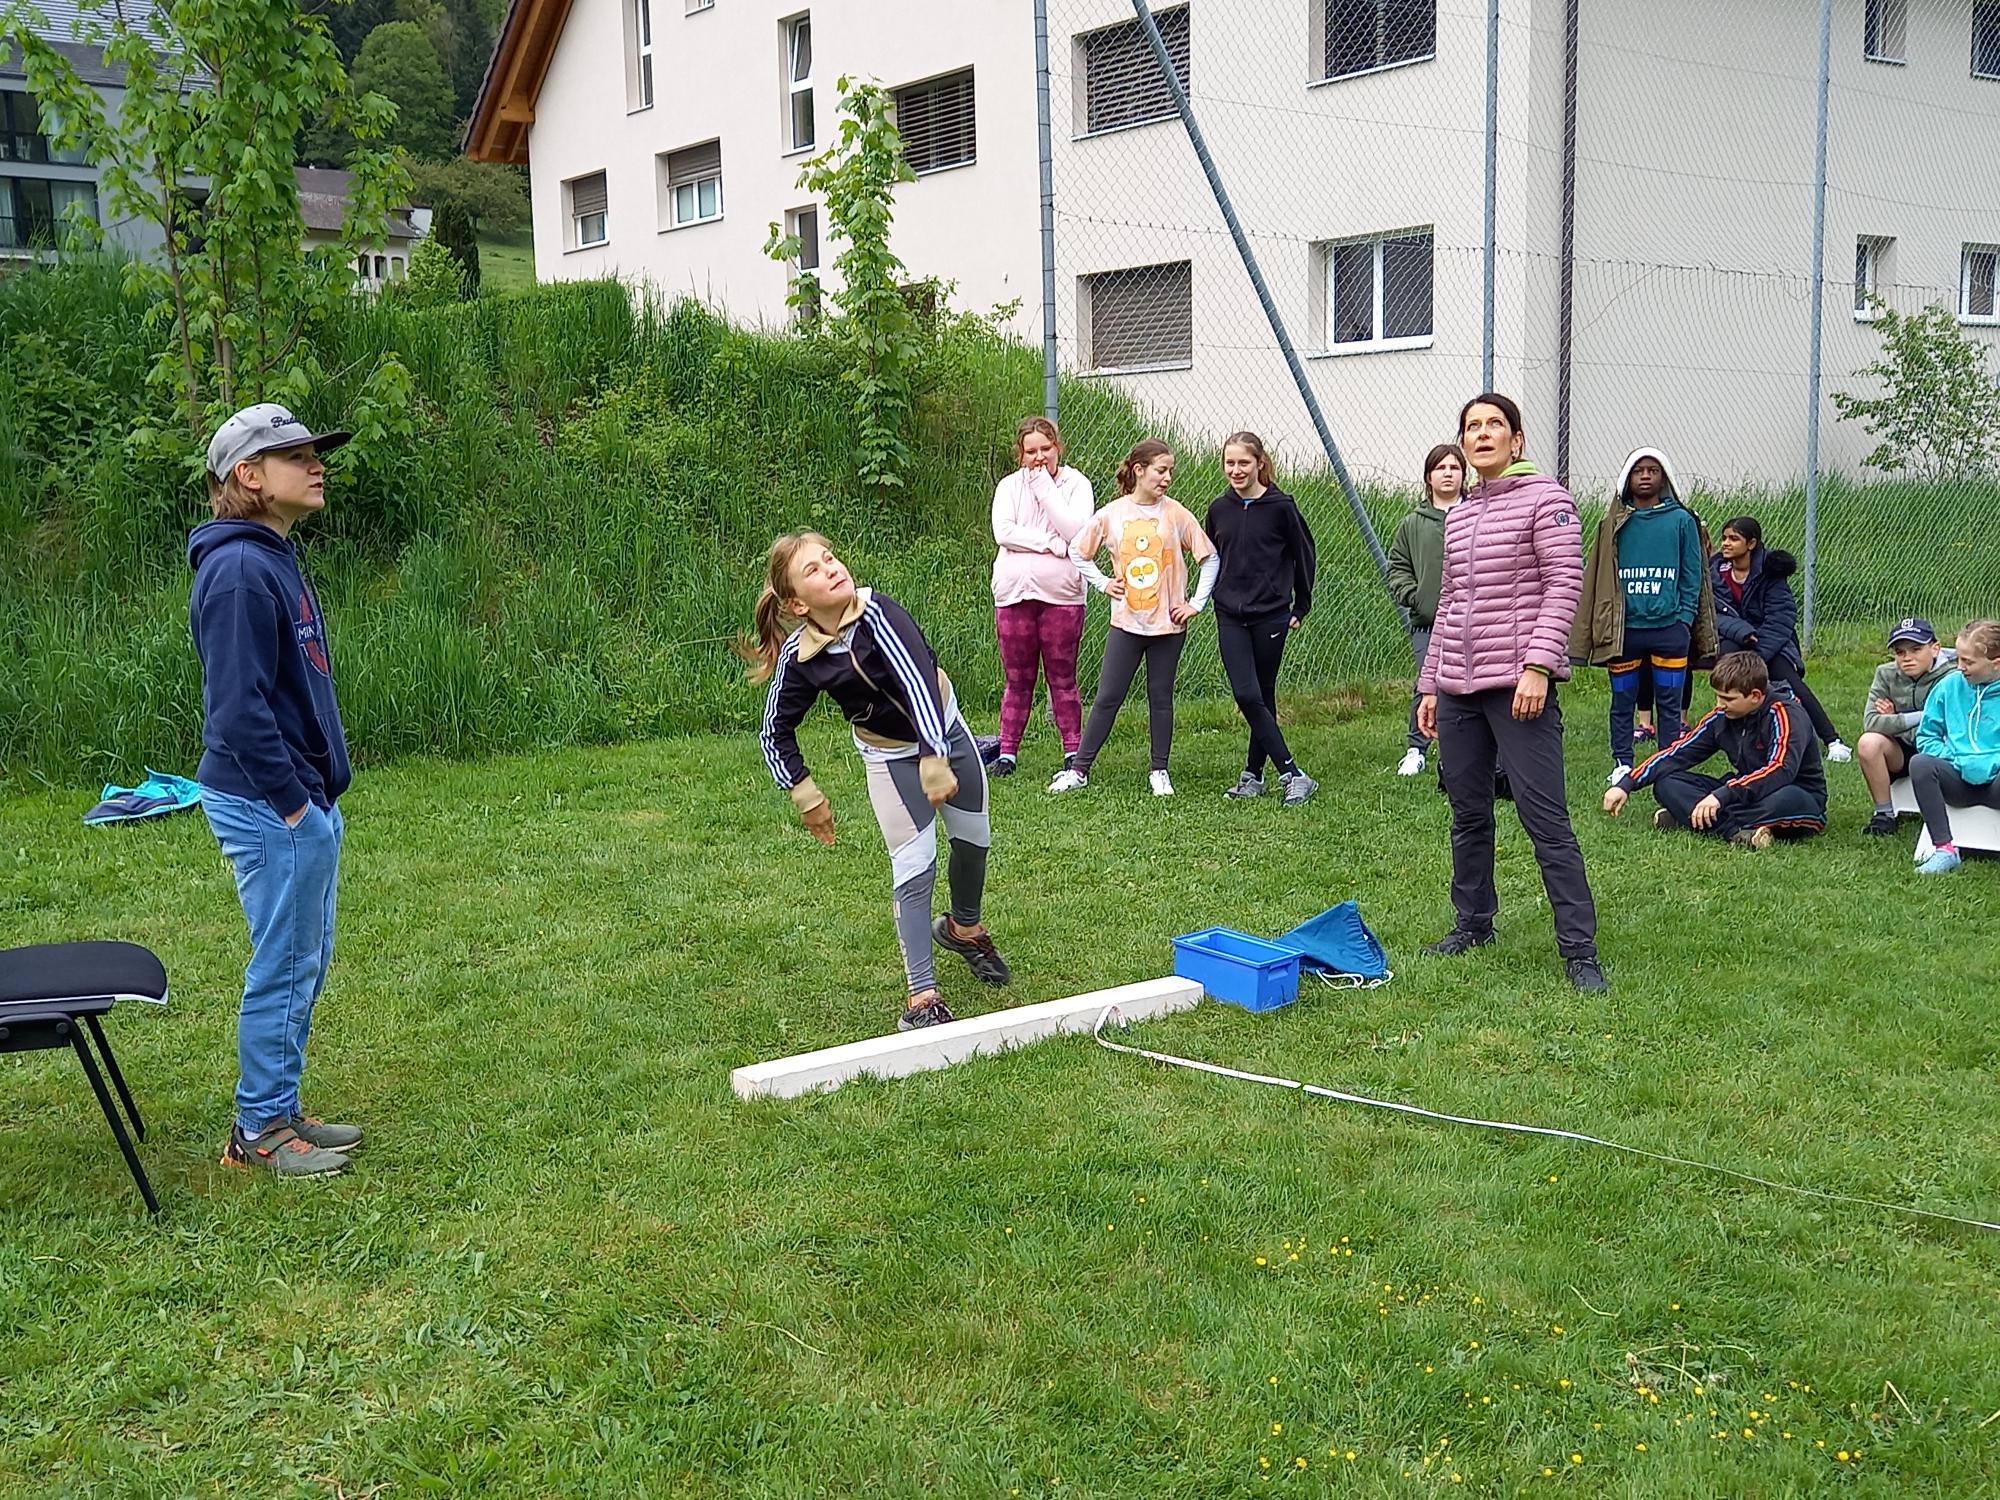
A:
[1957,763]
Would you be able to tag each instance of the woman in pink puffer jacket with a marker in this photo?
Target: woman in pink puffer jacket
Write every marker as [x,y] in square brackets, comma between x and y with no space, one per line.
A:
[1513,573]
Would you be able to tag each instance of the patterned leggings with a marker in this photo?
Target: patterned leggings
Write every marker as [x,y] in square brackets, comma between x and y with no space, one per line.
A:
[1037,635]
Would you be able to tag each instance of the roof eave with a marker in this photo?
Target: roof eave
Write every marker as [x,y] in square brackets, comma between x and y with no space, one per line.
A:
[505,109]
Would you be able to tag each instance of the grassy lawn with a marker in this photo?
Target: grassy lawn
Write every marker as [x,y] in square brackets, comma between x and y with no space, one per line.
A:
[570,1263]
[506,265]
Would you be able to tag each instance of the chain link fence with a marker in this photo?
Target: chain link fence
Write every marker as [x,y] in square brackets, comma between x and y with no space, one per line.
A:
[1636,267]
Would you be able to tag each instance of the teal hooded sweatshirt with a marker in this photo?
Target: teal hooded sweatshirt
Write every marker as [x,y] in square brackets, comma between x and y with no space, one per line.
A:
[1962,725]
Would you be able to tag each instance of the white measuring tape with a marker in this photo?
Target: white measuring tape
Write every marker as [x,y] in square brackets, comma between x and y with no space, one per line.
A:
[1111,1011]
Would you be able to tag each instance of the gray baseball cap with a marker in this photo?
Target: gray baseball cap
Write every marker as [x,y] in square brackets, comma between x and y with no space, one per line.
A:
[259,429]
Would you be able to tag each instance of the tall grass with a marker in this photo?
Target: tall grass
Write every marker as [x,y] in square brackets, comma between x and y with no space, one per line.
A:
[564,548]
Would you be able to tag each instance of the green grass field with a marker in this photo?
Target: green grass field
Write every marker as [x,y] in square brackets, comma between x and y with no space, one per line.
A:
[506,265]
[570,1263]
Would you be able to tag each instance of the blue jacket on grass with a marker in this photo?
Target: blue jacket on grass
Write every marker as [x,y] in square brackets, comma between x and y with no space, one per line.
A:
[1961,724]
[270,723]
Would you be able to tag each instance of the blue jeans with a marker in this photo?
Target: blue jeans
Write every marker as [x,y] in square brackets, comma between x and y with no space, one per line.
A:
[285,878]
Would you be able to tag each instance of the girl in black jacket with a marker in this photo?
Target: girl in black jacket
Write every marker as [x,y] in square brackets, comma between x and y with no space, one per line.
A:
[1755,610]
[817,633]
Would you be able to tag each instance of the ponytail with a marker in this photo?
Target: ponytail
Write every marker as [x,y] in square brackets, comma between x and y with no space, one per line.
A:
[1142,454]
[769,627]
[1982,636]
[1254,446]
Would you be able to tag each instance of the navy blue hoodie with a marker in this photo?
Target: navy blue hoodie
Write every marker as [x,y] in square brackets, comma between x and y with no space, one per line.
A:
[270,725]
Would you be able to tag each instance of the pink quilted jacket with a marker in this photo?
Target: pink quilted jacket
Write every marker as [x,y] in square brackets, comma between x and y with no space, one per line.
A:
[1513,573]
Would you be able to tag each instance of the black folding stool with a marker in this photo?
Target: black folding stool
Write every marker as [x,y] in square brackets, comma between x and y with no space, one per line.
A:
[51,994]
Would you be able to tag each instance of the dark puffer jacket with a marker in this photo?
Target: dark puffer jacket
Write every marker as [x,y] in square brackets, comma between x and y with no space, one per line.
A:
[1766,618]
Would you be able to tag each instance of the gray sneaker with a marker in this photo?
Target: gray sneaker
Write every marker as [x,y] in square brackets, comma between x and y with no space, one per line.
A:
[327,1137]
[281,1150]
[1298,787]
[1246,786]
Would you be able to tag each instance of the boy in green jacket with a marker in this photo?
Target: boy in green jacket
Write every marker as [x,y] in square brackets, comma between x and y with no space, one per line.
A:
[1895,708]
[1416,571]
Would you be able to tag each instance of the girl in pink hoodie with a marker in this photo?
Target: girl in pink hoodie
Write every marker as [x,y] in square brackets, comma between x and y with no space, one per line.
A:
[1037,593]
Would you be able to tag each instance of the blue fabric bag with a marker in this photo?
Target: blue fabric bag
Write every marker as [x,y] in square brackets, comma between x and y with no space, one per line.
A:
[159,794]
[1339,947]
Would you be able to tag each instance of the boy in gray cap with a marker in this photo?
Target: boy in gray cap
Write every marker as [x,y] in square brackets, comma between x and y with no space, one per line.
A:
[1895,708]
[273,766]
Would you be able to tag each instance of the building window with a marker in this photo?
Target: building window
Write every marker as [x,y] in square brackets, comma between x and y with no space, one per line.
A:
[1986,38]
[1883,24]
[1871,273]
[692,185]
[1140,318]
[803,225]
[21,134]
[34,210]
[1378,290]
[589,218]
[1362,35]
[799,129]
[1978,269]
[643,36]
[936,121]
[1122,83]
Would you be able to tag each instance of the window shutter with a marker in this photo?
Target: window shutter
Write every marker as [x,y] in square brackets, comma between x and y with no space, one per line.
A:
[587,195]
[1122,82]
[936,120]
[1142,316]
[692,163]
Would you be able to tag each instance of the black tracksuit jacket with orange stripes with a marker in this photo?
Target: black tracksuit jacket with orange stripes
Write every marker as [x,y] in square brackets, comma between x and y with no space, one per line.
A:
[1772,747]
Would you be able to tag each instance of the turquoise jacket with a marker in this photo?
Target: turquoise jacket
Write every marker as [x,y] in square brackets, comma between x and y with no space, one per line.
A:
[1962,725]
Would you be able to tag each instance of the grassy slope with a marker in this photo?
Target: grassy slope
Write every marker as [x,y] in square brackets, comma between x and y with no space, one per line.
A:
[571,1264]
[506,265]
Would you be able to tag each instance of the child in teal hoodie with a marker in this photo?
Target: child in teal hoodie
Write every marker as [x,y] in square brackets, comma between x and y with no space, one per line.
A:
[1957,763]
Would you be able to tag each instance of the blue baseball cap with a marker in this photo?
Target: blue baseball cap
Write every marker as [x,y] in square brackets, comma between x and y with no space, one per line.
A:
[1912,630]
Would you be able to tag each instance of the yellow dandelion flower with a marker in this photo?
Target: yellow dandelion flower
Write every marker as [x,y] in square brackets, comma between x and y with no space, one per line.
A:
[1564,1383]
[1785,1435]
[1274,1380]
[1841,1455]
[1552,1177]
[1547,1472]
[1576,1458]
[1485,1400]
[1478,1301]
[1458,1479]
[1557,1326]
[1276,1428]
[1110,1226]
[1756,1415]
[1263,1462]
[1299,1463]
[1204,1182]
[1349,1253]
[1293,1256]
[1749,1432]
[1597,1427]
[1641,1447]
[1262,1262]
[1430,1369]
[1010,1229]
[1142,1197]
[1473,1345]
[1675,1306]
[1348,1455]
[1343,1239]
[1819,1442]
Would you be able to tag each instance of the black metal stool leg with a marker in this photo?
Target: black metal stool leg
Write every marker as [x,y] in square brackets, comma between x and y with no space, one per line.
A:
[111,1114]
[117,1077]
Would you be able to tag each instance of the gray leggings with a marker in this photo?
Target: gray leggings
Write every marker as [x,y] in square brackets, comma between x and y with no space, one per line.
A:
[909,828]
[1123,651]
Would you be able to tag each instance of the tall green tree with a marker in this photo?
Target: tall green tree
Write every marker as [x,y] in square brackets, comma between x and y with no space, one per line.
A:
[451,228]
[494,197]
[201,147]
[398,62]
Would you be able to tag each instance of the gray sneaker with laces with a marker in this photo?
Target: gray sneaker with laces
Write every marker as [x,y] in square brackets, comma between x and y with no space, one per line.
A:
[1246,786]
[283,1151]
[1298,787]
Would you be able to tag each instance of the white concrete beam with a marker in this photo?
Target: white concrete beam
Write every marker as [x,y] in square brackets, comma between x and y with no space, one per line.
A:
[932,1047]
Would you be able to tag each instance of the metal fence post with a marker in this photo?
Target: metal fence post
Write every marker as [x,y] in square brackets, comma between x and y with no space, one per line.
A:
[1492,189]
[1151,27]
[1045,146]
[1818,316]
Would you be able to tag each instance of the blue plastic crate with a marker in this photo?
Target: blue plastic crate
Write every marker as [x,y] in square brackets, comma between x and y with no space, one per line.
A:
[1239,968]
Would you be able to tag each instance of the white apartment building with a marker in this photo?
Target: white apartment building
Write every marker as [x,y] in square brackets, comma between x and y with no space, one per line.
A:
[664,137]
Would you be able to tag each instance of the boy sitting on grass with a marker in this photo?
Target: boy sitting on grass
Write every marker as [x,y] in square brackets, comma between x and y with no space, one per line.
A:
[1779,788]
[1895,708]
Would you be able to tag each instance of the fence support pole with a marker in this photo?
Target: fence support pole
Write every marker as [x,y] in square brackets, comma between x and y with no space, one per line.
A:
[1818,317]
[1045,147]
[1492,189]
[1158,43]
[1566,273]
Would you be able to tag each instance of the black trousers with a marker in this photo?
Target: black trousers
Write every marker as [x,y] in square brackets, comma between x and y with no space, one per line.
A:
[1939,788]
[1795,679]
[1123,651]
[1478,737]
[1790,811]
[1252,649]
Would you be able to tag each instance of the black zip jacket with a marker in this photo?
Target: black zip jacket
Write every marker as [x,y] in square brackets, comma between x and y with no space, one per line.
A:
[1268,555]
[1770,748]
[879,670]
[1769,609]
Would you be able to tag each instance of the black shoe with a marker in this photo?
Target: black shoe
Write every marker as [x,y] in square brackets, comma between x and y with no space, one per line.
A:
[1069,761]
[1460,940]
[987,966]
[1882,824]
[988,746]
[1003,765]
[1587,974]
[937,1013]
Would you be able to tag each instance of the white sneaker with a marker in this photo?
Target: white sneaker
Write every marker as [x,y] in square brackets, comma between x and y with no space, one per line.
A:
[1068,781]
[1618,774]
[1838,751]
[1162,787]
[1412,763]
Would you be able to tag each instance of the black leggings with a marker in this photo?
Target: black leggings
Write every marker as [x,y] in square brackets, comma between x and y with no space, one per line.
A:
[1795,679]
[1252,650]
[1123,651]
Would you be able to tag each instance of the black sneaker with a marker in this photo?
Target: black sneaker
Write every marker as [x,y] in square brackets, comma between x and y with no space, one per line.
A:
[1069,760]
[936,1013]
[988,746]
[987,966]
[1881,825]
[1460,940]
[1587,974]
[1003,765]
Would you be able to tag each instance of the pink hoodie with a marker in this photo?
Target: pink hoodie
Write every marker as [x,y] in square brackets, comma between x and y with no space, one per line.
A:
[1513,573]
[1034,518]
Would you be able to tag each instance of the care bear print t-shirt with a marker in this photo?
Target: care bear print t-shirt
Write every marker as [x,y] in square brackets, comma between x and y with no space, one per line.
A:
[1146,543]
